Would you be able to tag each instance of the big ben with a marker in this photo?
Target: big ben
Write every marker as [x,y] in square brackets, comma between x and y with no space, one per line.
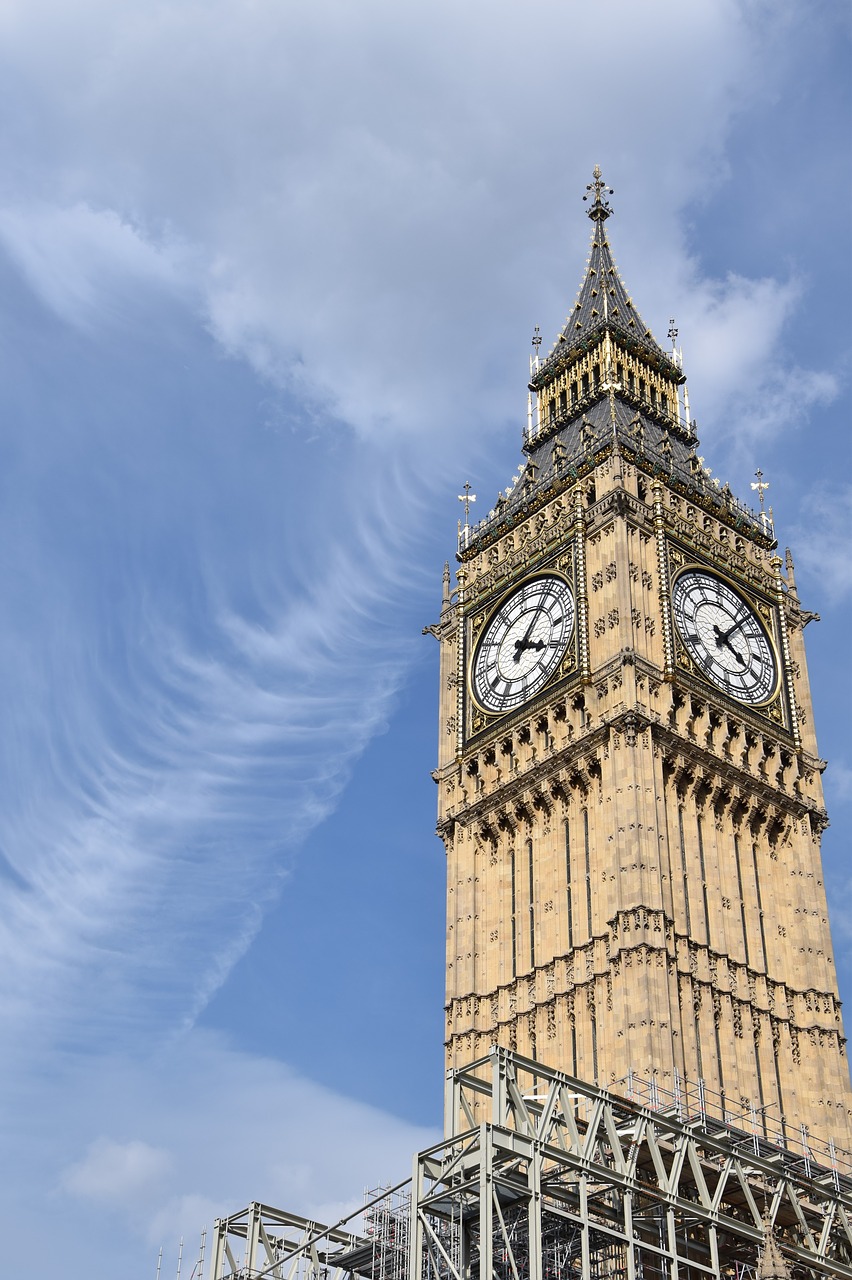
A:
[646,1067]
[629,783]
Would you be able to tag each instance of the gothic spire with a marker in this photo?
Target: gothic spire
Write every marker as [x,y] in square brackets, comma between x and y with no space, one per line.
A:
[603,301]
[772,1265]
[607,385]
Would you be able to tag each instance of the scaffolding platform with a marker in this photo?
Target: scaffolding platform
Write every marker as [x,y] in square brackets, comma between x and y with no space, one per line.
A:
[545,1177]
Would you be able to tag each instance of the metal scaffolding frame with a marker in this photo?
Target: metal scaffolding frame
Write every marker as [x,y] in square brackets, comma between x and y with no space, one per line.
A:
[565,1179]
[262,1241]
[545,1177]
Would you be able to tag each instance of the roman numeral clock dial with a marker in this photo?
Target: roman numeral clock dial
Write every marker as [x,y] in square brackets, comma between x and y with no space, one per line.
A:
[724,637]
[522,644]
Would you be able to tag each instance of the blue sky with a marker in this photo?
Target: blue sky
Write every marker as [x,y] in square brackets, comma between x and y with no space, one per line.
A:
[268,276]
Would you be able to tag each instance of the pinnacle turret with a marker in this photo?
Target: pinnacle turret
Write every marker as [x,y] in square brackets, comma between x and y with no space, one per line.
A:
[772,1265]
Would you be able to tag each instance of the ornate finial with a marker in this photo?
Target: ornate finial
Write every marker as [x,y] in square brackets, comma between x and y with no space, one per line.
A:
[534,364]
[677,356]
[467,498]
[600,209]
[761,486]
[464,529]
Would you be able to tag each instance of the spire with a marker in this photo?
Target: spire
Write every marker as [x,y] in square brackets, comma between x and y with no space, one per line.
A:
[603,301]
[772,1265]
[607,386]
[445,593]
[791,576]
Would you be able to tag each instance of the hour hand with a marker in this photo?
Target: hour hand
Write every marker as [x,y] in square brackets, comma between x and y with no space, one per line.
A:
[521,645]
[722,638]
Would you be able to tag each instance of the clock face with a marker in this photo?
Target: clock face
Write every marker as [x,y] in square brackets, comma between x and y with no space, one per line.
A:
[523,644]
[724,637]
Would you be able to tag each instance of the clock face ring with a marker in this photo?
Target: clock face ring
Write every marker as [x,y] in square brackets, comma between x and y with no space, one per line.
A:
[724,636]
[523,643]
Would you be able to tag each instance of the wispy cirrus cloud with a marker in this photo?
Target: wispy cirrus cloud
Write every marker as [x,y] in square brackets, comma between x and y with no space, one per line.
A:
[86,264]
[157,814]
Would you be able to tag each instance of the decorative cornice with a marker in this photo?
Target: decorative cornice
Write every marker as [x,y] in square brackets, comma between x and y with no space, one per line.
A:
[691,758]
[606,954]
[725,509]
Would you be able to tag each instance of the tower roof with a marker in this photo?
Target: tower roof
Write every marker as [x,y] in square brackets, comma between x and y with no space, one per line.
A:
[607,384]
[603,301]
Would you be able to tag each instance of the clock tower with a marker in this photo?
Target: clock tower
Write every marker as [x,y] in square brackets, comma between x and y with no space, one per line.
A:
[629,782]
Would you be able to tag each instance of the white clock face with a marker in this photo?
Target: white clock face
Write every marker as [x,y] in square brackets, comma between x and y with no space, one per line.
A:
[724,637]
[523,644]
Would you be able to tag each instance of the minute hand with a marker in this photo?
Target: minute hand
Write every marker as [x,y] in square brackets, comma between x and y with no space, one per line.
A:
[520,645]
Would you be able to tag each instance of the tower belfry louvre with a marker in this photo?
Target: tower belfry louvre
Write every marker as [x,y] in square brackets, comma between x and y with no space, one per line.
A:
[646,1067]
[629,783]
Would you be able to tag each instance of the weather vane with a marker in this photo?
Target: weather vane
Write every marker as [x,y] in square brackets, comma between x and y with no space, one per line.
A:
[673,331]
[536,341]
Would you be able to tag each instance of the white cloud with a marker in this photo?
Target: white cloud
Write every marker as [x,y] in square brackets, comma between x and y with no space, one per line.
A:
[361,198]
[346,177]
[85,264]
[370,205]
[838,782]
[191,1131]
[117,1172]
[744,388]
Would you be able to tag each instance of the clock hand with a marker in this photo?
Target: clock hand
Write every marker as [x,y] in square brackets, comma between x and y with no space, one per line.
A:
[722,639]
[521,645]
[739,657]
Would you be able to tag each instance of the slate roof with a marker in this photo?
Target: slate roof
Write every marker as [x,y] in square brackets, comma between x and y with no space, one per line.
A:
[602,303]
[583,436]
[559,457]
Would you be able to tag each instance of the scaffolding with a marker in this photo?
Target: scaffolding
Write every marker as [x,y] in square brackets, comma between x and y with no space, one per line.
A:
[545,1177]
